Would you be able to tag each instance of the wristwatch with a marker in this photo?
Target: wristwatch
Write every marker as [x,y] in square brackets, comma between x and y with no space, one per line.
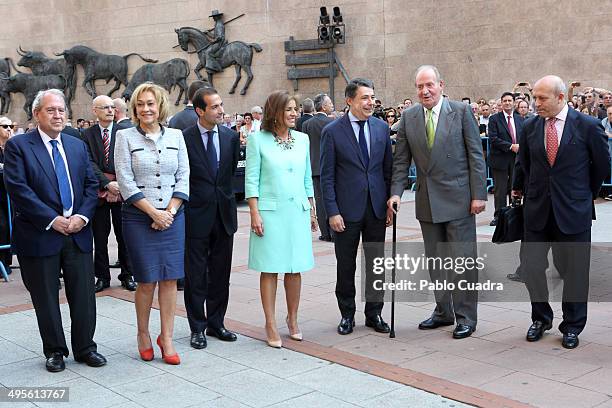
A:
[173,210]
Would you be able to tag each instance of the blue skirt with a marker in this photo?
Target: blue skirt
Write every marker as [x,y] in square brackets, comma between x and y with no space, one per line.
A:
[155,255]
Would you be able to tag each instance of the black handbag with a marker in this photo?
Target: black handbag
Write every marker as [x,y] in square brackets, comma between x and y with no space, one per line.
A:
[509,226]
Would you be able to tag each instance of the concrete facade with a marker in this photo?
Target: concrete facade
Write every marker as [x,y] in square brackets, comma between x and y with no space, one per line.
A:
[481,47]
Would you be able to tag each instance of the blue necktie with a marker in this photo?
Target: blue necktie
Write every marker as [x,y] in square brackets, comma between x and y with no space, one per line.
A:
[211,153]
[362,143]
[62,177]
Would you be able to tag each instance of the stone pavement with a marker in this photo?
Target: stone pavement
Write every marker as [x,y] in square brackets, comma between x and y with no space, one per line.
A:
[495,367]
[246,373]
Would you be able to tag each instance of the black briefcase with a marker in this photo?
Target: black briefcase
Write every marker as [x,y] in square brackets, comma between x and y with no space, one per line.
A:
[509,226]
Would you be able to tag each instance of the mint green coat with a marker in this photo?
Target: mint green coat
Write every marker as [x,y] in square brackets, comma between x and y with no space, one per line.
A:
[282,181]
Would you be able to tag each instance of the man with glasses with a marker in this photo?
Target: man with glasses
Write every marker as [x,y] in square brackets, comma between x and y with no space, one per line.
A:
[100,140]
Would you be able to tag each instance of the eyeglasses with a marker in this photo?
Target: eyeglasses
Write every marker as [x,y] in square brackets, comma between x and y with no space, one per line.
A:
[105,107]
[8,126]
[390,116]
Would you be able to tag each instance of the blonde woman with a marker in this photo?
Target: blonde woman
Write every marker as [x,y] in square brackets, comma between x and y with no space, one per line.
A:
[152,169]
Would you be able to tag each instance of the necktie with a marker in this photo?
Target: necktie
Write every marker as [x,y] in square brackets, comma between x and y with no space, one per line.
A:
[511,130]
[211,153]
[362,143]
[430,129]
[552,141]
[62,177]
[106,142]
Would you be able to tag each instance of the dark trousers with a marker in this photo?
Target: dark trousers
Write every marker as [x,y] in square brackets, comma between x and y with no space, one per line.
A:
[571,256]
[208,262]
[502,180]
[326,231]
[346,244]
[456,238]
[40,279]
[101,227]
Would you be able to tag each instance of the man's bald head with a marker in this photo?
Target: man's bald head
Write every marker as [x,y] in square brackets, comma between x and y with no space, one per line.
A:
[549,96]
[104,109]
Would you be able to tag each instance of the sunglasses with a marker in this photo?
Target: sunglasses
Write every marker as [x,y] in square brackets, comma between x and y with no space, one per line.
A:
[8,126]
[390,116]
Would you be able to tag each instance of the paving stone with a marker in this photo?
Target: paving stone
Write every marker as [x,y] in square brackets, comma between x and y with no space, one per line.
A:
[11,353]
[313,400]
[199,366]
[256,388]
[32,373]
[84,393]
[119,370]
[282,363]
[164,391]
[344,383]
[410,397]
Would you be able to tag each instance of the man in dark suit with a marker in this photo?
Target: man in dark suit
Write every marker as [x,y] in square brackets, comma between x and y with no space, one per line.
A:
[121,110]
[187,117]
[307,109]
[505,128]
[53,190]
[211,219]
[100,140]
[443,139]
[356,162]
[313,127]
[565,159]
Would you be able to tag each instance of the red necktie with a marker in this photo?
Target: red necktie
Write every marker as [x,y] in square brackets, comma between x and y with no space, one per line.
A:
[106,142]
[552,141]
[511,130]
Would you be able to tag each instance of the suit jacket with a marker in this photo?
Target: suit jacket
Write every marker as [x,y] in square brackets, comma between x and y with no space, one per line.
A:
[125,123]
[30,180]
[206,193]
[184,119]
[569,187]
[500,155]
[93,139]
[452,173]
[345,180]
[313,128]
[301,120]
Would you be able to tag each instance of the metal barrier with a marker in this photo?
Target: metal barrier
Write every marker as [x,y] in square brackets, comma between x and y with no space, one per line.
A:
[3,270]
[609,183]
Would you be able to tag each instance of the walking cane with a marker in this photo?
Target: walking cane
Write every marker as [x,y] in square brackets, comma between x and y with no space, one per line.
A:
[393,252]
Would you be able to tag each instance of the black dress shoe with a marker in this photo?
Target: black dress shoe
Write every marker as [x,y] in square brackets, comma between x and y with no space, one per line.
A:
[117,264]
[92,359]
[462,331]
[570,340]
[324,238]
[101,285]
[536,330]
[346,325]
[515,277]
[198,340]
[493,222]
[129,284]
[221,333]
[431,323]
[55,363]
[378,324]
[180,284]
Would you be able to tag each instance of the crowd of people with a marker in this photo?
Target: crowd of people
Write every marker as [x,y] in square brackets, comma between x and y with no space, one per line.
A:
[165,186]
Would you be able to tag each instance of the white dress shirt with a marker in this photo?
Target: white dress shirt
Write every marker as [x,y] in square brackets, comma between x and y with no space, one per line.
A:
[47,142]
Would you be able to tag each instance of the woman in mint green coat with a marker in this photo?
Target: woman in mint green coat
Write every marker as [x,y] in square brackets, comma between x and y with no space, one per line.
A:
[278,186]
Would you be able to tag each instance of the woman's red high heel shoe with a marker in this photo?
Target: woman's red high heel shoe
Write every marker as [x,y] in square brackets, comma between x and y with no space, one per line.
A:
[174,359]
[147,355]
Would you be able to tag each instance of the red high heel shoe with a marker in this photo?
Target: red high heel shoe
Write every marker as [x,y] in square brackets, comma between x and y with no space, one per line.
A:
[174,359]
[148,354]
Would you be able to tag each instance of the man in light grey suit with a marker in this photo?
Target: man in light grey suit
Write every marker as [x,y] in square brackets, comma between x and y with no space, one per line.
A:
[443,139]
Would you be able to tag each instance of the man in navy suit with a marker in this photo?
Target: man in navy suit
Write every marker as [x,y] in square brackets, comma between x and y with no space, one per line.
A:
[565,159]
[54,191]
[505,129]
[356,163]
[211,218]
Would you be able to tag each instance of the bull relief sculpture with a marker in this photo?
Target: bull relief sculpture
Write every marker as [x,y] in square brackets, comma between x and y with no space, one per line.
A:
[215,53]
[99,66]
[167,75]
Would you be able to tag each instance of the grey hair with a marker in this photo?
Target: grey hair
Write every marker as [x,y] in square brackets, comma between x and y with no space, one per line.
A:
[559,86]
[256,109]
[319,100]
[428,67]
[307,105]
[41,94]
[5,119]
[120,105]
